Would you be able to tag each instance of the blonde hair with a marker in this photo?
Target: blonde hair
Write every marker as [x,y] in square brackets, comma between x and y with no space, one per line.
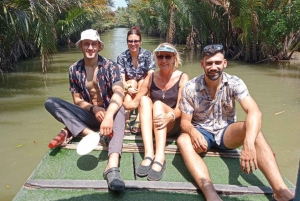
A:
[167,47]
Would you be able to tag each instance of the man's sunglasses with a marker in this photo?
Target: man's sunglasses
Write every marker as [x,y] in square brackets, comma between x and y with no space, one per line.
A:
[213,48]
[161,57]
[133,41]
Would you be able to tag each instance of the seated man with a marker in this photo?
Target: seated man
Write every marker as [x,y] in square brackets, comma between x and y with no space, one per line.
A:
[97,90]
[209,120]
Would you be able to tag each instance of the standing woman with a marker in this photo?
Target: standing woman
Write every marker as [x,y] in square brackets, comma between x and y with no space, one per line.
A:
[135,64]
[159,112]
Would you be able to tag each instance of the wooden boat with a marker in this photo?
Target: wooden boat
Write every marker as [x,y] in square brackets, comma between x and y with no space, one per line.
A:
[64,175]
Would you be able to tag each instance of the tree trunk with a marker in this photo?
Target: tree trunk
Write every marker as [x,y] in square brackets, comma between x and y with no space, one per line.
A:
[171,32]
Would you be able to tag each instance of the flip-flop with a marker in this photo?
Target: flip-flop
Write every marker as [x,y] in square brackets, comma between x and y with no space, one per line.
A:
[114,180]
[127,129]
[136,128]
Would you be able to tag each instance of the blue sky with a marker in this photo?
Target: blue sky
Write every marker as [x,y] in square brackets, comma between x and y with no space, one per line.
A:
[120,3]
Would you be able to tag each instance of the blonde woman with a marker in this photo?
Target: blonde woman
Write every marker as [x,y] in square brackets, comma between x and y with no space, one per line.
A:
[159,112]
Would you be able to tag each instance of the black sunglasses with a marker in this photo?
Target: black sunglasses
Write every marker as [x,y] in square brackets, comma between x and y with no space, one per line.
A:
[212,49]
[133,41]
[161,57]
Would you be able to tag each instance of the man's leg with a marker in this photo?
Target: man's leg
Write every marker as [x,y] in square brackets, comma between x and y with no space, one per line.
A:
[76,119]
[112,172]
[234,137]
[197,167]
[116,143]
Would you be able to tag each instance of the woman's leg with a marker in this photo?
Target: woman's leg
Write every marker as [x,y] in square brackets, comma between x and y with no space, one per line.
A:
[128,98]
[139,84]
[145,110]
[160,134]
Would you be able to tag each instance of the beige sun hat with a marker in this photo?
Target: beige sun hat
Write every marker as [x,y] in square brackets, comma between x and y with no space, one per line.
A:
[90,34]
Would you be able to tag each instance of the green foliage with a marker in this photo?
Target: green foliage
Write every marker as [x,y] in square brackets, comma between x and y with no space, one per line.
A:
[123,18]
[36,27]
[252,30]
[275,33]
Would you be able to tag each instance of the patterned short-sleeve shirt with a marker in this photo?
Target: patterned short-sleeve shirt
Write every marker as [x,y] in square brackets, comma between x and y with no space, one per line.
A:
[108,73]
[145,63]
[212,115]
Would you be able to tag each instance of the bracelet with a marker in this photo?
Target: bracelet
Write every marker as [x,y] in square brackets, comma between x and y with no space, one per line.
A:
[173,115]
[127,87]
[91,109]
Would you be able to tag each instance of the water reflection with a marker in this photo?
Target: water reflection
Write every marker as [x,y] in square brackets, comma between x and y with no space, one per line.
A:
[23,119]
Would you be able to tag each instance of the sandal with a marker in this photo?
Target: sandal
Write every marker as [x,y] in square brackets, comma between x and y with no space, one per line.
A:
[114,180]
[127,128]
[136,128]
[154,175]
[143,170]
[62,139]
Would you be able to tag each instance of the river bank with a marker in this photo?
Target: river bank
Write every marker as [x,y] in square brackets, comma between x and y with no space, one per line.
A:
[26,127]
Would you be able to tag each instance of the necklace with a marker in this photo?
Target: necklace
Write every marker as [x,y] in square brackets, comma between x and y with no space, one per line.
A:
[164,89]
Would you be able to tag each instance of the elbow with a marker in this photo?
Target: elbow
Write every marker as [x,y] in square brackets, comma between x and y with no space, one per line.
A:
[256,115]
[182,125]
[259,114]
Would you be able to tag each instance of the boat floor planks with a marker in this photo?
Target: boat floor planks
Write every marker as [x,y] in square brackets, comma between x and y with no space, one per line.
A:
[64,175]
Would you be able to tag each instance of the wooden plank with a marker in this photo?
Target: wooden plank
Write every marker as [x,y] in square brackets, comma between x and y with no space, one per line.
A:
[135,137]
[169,149]
[153,185]
[139,137]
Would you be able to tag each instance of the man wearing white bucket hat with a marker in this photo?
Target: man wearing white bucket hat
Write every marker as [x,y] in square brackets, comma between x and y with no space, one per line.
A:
[97,91]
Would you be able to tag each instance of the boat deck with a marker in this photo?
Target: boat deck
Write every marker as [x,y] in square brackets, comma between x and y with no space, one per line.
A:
[64,175]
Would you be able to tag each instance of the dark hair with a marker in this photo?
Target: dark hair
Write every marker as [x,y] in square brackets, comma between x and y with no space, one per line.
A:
[134,31]
[213,49]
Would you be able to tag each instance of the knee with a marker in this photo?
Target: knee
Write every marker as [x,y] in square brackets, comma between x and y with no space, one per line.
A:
[133,83]
[158,108]
[49,102]
[183,141]
[158,104]
[145,101]
[122,110]
[259,138]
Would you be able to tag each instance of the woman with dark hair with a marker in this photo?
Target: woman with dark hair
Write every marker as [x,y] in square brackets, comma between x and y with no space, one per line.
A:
[135,64]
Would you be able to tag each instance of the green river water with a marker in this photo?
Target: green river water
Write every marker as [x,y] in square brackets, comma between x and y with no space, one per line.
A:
[26,127]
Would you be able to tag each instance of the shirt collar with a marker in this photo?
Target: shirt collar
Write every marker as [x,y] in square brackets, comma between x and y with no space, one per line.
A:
[128,55]
[203,85]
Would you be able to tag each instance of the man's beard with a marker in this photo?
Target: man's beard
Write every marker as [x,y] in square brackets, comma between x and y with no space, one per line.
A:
[214,77]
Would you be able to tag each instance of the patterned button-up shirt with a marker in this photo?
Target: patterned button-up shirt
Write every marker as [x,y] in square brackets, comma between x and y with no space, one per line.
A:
[212,115]
[108,73]
[145,63]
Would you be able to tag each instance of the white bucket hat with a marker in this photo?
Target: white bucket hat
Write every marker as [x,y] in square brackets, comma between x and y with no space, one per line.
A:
[90,34]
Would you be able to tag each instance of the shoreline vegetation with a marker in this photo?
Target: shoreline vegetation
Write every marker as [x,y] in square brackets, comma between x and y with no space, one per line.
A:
[252,31]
